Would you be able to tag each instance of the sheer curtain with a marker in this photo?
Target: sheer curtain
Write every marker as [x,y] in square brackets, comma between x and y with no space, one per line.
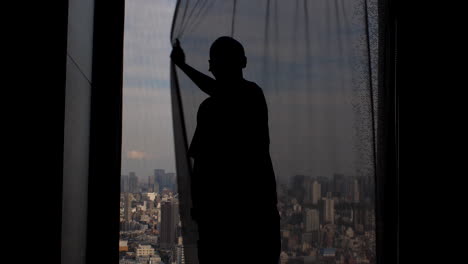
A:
[316,62]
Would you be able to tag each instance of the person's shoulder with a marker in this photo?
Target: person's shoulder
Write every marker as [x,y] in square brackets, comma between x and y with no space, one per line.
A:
[206,103]
[253,87]
[251,84]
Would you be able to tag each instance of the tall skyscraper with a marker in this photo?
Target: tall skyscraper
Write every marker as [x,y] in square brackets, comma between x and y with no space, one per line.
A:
[156,187]
[167,181]
[355,188]
[150,183]
[169,220]
[133,183]
[329,210]
[298,187]
[316,192]
[312,220]
[171,181]
[158,178]
[128,207]
[153,184]
[124,183]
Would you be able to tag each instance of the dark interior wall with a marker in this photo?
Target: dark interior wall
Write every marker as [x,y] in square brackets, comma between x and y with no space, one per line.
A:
[77,130]
[105,133]
[92,145]
[35,99]
[61,126]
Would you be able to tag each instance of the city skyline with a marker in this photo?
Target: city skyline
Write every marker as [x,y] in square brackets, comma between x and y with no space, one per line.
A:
[323,220]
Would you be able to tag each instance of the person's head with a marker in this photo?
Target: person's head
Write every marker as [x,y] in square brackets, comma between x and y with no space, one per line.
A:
[227,58]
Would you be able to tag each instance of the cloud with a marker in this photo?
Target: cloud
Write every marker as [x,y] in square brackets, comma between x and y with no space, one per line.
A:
[138,155]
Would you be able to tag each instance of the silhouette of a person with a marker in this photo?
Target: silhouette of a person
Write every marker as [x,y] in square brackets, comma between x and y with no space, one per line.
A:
[233,182]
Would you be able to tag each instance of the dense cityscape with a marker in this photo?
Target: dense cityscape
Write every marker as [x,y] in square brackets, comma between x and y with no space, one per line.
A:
[323,220]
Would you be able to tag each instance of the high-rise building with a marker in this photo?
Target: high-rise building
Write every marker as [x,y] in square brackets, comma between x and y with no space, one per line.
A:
[150,183]
[133,183]
[158,178]
[298,187]
[153,184]
[316,192]
[307,186]
[312,220]
[329,210]
[156,188]
[124,183]
[128,207]
[169,220]
[355,189]
[167,181]
[171,177]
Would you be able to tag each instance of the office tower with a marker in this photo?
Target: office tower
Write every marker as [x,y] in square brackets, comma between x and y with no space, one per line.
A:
[156,187]
[128,207]
[150,183]
[316,192]
[358,218]
[169,220]
[298,187]
[326,185]
[355,189]
[171,181]
[329,210]
[158,178]
[133,183]
[312,220]
[167,181]
[307,185]
[153,184]
[124,183]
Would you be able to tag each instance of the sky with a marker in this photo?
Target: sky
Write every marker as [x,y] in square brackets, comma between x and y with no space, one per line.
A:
[147,135]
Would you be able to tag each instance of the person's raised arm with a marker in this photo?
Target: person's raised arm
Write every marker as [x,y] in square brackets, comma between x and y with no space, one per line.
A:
[204,82]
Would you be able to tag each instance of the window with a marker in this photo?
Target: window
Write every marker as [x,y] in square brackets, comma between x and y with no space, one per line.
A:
[310,200]
[149,214]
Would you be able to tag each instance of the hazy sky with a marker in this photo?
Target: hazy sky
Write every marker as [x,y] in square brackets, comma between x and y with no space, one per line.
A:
[147,140]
